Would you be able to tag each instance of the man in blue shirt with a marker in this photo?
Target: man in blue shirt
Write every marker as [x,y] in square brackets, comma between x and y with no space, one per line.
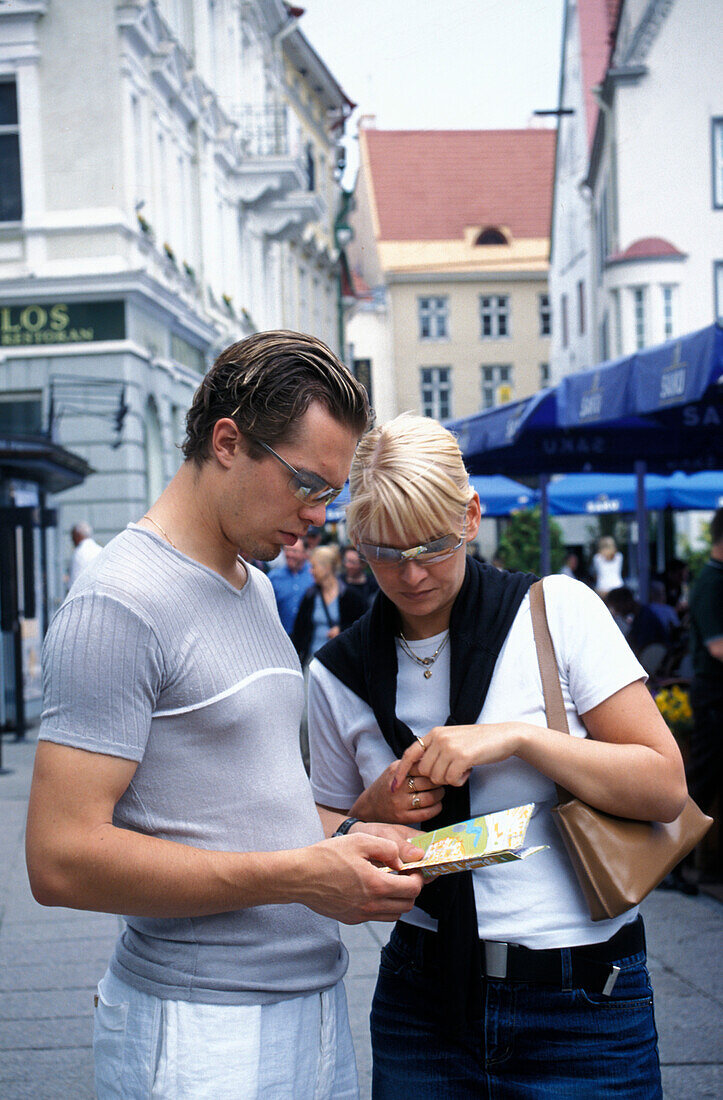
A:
[290,582]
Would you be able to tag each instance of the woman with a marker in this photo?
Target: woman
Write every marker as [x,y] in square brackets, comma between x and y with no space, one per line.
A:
[498,983]
[607,566]
[327,607]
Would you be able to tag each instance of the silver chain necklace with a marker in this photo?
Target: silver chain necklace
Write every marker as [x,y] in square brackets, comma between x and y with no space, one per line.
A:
[425,662]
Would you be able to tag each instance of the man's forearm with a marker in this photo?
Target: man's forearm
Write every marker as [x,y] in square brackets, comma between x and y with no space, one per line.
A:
[119,871]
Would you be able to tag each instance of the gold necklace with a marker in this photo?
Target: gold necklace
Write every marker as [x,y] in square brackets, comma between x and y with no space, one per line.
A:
[425,662]
[166,536]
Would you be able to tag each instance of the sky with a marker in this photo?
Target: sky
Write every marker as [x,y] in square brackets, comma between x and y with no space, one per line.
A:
[440,64]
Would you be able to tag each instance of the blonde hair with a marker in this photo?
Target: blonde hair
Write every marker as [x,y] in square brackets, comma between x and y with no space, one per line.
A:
[327,555]
[407,481]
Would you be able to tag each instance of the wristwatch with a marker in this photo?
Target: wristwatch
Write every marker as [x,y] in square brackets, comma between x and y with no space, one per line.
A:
[346,826]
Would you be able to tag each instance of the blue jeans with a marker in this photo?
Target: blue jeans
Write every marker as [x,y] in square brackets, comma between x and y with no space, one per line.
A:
[534,1040]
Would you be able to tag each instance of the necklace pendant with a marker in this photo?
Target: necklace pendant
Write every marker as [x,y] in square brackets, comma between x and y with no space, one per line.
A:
[427,673]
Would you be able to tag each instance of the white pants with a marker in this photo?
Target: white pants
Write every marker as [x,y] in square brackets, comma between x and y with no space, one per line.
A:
[147,1048]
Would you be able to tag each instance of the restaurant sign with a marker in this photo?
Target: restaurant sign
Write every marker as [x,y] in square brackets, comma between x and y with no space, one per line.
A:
[61,323]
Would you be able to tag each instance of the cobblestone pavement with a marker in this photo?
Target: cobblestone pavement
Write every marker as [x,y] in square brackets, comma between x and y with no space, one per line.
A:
[51,960]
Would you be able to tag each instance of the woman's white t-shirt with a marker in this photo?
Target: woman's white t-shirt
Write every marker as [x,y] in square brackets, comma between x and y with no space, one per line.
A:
[537,901]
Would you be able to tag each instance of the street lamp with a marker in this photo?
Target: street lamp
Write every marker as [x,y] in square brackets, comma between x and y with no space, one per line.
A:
[343,235]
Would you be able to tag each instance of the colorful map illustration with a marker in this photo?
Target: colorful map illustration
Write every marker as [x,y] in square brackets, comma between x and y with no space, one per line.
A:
[480,842]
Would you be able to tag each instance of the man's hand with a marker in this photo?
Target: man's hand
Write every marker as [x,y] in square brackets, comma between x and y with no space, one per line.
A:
[401,835]
[417,799]
[348,878]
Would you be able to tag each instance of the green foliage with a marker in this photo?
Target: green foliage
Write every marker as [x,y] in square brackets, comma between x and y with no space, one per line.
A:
[519,547]
[696,559]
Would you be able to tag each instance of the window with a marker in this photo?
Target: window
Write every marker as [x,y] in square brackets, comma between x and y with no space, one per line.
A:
[362,369]
[491,235]
[496,385]
[310,168]
[494,316]
[639,310]
[603,233]
[11,203]
[668,325]
[21,413]
[563,314]
[717,162]
[433,318]
[618,321]
[718,277]
[544,375]
[436,392]
[581,308]
[545,314]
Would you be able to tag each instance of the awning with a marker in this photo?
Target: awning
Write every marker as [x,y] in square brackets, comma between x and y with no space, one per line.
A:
[36,459]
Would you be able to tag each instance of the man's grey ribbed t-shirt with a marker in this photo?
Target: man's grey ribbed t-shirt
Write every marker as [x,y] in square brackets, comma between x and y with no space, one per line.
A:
[155,658]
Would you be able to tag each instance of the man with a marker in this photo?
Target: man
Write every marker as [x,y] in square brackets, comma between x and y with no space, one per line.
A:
[86,549]
[706,643]
[290,581]
[355,574]
[168,783]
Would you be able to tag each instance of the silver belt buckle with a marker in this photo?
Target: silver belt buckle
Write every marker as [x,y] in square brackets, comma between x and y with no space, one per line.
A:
[495,959]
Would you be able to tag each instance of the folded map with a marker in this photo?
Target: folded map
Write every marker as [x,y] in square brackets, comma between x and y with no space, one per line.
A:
[480,842]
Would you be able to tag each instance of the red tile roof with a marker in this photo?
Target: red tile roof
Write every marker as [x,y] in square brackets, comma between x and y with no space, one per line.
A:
[647,248]
[430,184]
[598,20]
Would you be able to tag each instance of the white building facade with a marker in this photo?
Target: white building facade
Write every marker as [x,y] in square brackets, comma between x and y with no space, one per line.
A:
[168,184]
[637,238]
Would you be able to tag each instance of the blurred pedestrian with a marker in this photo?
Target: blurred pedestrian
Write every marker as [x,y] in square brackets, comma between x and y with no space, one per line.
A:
[327,608]
[356,575]
[623,607]
[290,581]
[312,539]
[675,580]
[706,693]
[607,566]
[571,565]
[86,549]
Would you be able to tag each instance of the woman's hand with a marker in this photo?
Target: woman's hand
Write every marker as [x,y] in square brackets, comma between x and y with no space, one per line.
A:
[333,631]
[450,752]
[415,800]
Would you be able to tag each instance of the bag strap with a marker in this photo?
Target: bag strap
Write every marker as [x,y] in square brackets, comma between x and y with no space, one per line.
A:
[546,659]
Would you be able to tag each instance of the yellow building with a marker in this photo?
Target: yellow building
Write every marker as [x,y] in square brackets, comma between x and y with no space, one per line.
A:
[451,243]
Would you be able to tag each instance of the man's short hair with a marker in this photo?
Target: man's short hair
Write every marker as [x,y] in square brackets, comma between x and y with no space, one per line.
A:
[266,383]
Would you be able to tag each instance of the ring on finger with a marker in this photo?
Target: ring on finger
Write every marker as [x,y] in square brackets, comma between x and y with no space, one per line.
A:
[421,742]
[415,801]
[410,783]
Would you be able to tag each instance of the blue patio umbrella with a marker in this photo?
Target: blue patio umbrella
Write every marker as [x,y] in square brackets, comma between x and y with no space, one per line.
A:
[660,409]
[500,496]
[604,494]
[702,491]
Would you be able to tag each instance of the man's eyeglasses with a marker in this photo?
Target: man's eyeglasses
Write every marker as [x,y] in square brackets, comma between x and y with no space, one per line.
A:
[304,484]
[427,553]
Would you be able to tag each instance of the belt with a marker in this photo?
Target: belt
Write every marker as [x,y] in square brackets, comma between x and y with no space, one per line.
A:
[590,966]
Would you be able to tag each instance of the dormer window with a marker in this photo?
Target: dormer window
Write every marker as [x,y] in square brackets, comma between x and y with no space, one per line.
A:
[491,235]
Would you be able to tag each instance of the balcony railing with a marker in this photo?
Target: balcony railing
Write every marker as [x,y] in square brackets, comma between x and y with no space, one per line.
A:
[264,131]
